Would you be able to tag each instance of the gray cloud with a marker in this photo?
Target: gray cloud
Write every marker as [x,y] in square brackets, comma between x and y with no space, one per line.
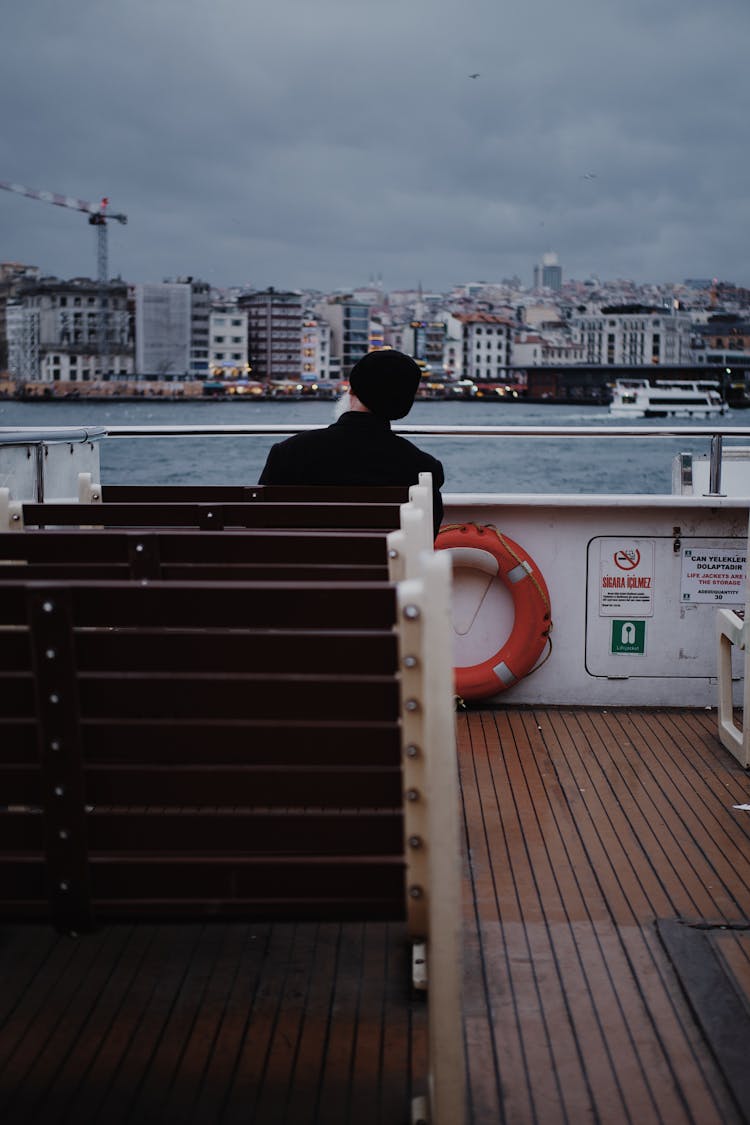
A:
[303,144]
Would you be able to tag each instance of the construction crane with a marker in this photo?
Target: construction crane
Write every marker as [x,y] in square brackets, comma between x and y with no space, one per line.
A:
[99,217]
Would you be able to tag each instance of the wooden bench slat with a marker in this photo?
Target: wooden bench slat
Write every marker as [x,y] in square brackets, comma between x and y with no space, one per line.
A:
[17,698]
[355,516]
[198,572]
[320,605]
[127,885]
[218,786]
[248,650]
[232,831]
[225,696]
[241,877]
[259,545]
[132,493]
[254,741]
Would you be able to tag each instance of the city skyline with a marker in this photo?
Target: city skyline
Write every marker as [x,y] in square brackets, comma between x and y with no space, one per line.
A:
[314,148]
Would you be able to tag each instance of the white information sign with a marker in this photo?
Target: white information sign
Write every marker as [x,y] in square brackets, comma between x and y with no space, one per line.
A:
[713,574]
[626,578]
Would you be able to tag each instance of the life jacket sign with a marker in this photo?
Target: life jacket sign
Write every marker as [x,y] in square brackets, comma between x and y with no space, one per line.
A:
[629,637]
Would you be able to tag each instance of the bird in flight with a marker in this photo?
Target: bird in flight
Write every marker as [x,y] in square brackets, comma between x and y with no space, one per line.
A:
[474,75]
[589,176]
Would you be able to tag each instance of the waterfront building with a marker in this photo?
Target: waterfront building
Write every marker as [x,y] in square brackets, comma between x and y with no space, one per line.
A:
[429,343]
[724,341]
[375,335]
[53,330]
[453,357]
[227,341]
[527,349]
[553,347]
[22,341]
[349,321]
[316,349]
[424,340]
[200,311]
[11,274]
[274,328]
[400,336]
[163,329]
[486,346]
[635,335]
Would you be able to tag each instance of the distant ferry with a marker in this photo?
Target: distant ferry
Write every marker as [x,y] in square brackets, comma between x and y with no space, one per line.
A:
[639,398]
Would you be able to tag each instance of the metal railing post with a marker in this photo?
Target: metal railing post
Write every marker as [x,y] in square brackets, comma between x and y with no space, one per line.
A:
[714,473]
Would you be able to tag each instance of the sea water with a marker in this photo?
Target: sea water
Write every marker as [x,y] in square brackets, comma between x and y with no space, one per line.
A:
[597,464]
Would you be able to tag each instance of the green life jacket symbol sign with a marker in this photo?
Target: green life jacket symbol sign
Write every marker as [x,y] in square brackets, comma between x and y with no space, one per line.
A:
[628,637]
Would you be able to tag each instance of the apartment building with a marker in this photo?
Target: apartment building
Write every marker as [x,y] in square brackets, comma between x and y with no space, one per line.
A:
[11,274]
[200,311]
[423,339]
[485,346]
[724,341]
[550,348]
[349,321]
[274,332]
[316,349]
[227,341]
[634,335]
[54,330]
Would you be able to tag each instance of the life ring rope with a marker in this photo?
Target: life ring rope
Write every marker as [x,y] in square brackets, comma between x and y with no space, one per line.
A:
[521,562]
[525,568]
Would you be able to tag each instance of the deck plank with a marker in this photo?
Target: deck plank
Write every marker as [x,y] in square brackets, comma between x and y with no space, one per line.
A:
[99,1014]
[584,827]
[214,1023]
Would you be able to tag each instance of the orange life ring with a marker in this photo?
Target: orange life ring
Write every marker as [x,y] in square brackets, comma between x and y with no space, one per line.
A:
[487,549]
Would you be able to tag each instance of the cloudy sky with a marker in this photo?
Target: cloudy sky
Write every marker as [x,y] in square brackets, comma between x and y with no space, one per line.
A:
[322,143]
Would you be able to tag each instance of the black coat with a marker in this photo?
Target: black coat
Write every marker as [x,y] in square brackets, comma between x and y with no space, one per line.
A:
[359,448]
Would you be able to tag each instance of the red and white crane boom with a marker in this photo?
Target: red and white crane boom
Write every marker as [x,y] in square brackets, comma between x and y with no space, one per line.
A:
[99,216]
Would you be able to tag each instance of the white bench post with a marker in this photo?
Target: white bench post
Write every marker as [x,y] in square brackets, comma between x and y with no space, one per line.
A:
[89,491]
[432,826]
[11,512]
[731,631]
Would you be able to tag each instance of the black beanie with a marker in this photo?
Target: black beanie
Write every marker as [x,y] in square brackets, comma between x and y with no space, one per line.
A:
[385,382]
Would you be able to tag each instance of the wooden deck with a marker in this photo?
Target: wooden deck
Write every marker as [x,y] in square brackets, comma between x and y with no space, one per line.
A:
[585,828]
[607,962]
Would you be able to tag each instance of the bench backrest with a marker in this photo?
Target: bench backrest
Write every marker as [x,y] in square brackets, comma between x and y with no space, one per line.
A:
[242,493]
[215,517]
[179,771]
[194,555]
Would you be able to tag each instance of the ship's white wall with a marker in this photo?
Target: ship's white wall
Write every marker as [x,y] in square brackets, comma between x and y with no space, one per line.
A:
[562,535]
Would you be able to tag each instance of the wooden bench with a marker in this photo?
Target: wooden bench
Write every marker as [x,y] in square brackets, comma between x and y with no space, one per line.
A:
[308,535]
[218,507]
[259,554]
[268,750]
[170,666]
[209,516]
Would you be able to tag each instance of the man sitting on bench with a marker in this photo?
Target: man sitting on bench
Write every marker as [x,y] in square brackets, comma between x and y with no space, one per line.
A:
[360,448]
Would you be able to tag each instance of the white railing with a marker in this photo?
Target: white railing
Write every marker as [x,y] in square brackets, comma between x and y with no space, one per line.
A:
[279,429]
